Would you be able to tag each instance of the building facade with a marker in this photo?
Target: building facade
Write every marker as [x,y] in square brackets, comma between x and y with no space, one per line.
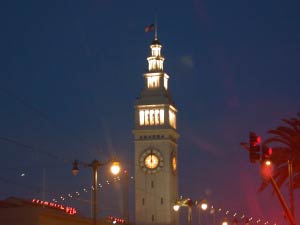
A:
[16,211]
[155,141]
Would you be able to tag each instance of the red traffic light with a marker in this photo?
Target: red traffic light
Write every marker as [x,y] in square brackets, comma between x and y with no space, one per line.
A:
[254,139]
[270,151]
[254,147]
[258,140]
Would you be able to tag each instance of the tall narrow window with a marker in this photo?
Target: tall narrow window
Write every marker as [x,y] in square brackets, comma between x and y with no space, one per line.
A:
[157,117]
[172,119]
[143,201]
[153,82]
[152,184]
[161,117]
[147,117]
[152,218]
[161,200]
[152,117]
[166,83]
[142,117]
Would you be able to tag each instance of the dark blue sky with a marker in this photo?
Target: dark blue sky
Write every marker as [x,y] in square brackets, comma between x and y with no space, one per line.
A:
[70,72]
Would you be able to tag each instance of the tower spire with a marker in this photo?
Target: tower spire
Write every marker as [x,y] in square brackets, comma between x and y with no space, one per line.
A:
[156,27]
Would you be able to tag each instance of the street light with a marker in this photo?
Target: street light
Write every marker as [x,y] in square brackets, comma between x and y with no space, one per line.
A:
[176,207]
[185,203]
[95,164]
[267,169]
[203,205]
[115,168]
[225,222]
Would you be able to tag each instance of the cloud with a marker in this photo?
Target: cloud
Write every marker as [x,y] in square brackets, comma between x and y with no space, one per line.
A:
[187,61]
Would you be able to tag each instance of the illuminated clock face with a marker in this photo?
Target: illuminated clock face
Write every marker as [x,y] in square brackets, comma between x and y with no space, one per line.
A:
[151,161]
[174,163]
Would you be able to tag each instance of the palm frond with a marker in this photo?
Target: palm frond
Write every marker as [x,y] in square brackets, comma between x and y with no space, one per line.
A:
[278,140]
[293,122]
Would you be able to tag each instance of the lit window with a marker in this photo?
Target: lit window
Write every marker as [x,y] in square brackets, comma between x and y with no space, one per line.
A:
[153,82]
[142,117]
[157,117]
[147,117]
[151,117]
[155,64]
[155,51]
[172,119]
[161,117]
[166,83]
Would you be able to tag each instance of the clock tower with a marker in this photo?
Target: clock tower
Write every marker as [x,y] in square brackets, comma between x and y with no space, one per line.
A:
[155,141]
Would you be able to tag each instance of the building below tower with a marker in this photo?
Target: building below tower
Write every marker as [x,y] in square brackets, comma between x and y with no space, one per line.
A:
[16,211]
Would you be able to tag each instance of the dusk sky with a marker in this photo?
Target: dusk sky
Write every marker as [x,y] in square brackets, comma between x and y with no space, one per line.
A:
[70,72]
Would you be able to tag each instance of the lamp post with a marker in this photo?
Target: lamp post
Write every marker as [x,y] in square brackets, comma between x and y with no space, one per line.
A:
[185,203]
[125,188]
[95,164]
[225,222]
[202,206]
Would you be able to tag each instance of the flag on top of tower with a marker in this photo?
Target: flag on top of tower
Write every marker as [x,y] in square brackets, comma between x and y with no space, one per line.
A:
[149,28]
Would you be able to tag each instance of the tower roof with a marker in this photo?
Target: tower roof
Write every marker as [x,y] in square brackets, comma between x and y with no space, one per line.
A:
[155,41]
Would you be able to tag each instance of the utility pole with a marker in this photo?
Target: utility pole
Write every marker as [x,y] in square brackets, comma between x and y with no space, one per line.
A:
[291,186]
[95,164]
[125,180]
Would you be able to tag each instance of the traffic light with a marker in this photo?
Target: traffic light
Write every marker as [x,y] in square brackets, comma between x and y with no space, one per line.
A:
[266,153]
[254,150]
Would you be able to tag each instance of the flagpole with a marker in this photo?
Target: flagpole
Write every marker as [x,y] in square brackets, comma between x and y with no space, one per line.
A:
[155,26]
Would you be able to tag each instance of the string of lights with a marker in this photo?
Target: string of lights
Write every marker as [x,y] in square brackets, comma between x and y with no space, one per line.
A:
[241,216]
[76,195]
[229,214]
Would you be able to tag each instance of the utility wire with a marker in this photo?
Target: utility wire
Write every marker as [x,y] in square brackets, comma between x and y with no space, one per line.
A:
[37,111]
[33,149]
[29,187]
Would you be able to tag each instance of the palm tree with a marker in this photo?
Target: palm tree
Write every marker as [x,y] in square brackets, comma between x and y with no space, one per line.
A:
[285,143]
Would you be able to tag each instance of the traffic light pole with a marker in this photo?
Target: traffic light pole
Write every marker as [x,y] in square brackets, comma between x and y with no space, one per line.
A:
[282,201]
[291,186]
[254,156]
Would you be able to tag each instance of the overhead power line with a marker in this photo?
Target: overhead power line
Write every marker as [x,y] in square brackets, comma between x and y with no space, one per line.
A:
[33,149]
[39,112]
